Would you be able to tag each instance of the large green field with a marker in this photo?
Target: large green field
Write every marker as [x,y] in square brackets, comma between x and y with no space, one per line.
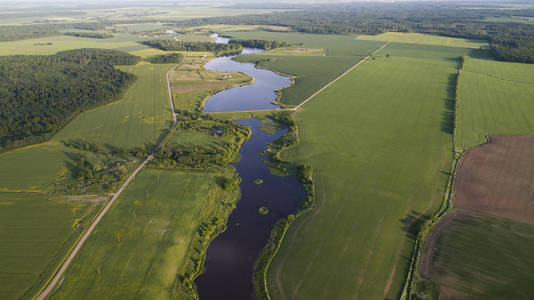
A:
[311,72]
[37,230]
[142,115]
[139,250]
[495,98]
[381,163]
[424,39]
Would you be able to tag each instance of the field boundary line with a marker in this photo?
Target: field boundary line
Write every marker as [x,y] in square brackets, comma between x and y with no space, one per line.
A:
[339,77]
[58,275]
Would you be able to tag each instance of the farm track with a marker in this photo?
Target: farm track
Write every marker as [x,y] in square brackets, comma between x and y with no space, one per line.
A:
[66,263]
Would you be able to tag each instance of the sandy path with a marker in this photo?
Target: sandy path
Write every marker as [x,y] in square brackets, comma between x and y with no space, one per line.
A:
[64,266]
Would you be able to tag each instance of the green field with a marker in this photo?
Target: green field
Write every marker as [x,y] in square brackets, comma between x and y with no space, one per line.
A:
[311,72]
[485,257]
[37,230]
[495,98]
[140,248]
[373,177]
[423,39]
[142,116]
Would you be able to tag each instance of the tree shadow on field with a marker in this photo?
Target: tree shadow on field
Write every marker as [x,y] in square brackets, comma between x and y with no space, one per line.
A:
[411,224]
[71,163]
[448,116]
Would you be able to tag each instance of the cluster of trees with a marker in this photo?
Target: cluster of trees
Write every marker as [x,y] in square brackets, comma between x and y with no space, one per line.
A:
[172,45]
[213,156]
[93,35]
[259,44]
[173,58]
[509,41]
[21,32]
[40,94]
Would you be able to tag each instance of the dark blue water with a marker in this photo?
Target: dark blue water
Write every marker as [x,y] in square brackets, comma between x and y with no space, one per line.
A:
[255,96]
[231,256]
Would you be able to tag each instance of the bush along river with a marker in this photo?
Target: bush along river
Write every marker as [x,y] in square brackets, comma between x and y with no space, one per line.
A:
[265,197]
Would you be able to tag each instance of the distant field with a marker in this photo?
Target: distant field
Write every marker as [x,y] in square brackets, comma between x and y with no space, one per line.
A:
[495,98]
[424,39]
[526,20]
[142,115]
[334,45]
[311,71]
[374,178]
[295,51]
[140,247]
[37,230]
[64,42]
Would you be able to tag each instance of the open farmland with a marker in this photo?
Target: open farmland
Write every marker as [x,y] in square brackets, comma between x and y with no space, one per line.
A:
[141,117]
[495,98]
[142,246]
[37,231]
[424,39]
[311,72]
[484,248]
[374,178]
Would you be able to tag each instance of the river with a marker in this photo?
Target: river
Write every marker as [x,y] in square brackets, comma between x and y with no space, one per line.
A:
[230,257]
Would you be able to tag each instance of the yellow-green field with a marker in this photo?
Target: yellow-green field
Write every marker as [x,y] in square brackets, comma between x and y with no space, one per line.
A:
[142,115]
[424,39]
[37,230]
[495,98]
[142,247]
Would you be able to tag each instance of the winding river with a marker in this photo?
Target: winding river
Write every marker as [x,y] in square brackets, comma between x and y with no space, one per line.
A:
[230,257]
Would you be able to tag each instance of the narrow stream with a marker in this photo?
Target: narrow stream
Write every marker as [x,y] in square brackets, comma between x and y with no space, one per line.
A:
[230,257]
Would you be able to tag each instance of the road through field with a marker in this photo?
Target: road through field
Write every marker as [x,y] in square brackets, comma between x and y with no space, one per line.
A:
[59,274]
[340,76]
[317,92]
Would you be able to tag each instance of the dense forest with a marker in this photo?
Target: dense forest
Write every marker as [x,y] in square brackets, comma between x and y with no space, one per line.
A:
[171,58]
[40,94]
[93,35]
[172,45]
[260,44]
[509,41]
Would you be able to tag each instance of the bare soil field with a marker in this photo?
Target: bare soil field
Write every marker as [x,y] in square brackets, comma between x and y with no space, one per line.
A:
[498,178]
[484,248]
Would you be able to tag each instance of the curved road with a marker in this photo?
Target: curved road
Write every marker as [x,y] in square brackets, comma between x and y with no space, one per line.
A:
[59,274]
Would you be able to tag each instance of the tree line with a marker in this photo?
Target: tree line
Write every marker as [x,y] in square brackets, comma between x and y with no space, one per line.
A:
[92,35]
[171,58]
[22,32]
[40,94]
[173,45]
[259,44]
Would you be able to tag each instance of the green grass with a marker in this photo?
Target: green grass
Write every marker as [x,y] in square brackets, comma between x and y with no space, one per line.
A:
[486,264]
[380,153]
[37,230]
[311,73]
[495,98]
[424,39]
[141,116]
[142,245]
[34,168]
